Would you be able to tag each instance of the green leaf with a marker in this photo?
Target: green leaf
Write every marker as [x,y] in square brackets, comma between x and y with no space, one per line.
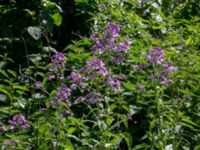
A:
[35,32]
[197,148]
[20,87]
[81,1]
[4,91]
[12,73]
[49,49]
[71,130]
[57,18]
[129,86]
[4,73]
[140,146]
[128,138]
[189,122]
[69,145]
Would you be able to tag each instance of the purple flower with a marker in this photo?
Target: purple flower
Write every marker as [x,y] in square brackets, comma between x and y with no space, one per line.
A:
[67,113]
[93,77]
[107,42]
[140,88]
[140,67]
[11,142]
[73,86]
[93,98]
[63,93]
[103,71]
[77,80]
[80,99]
[94,37]
[168,68]
[85,70]
[38,85]
[99,46]
[60,75]
[155,56]
[113,29]
[129,116]
[97,64]
[51,77]
[165,81]
[18,120]
[114,84]
[139,3]
[58,63]
[76,77]
[117,59]
[58,57]
[123,46]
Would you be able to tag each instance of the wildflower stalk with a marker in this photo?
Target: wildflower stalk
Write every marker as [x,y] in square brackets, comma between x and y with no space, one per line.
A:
[160,134]
[176,116]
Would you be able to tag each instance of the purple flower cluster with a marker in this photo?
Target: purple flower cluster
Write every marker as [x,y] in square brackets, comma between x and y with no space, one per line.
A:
[110,43]
[140,88]
[112,30]
[95,65]
[62,95]
[58,59]
[38,85]
[77,80]
[100,45]
[20,121]
[80,99]
[168,68]
[93,98]
[11,142]
[117,59]
[58,63]
[140,67]
[123,46]
[155,56]
[114,83]
[164,80]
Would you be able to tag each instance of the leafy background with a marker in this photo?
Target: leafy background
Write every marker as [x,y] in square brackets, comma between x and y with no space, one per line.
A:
[162,117]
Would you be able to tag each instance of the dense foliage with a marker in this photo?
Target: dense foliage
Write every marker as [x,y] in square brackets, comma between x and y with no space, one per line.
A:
[92,74]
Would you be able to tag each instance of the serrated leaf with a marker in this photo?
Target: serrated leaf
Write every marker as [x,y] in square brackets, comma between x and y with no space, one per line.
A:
[71,130]
[57,18]
[35,32]
[49,49]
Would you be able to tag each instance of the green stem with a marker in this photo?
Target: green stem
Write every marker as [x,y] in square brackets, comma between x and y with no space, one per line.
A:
[160,123]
